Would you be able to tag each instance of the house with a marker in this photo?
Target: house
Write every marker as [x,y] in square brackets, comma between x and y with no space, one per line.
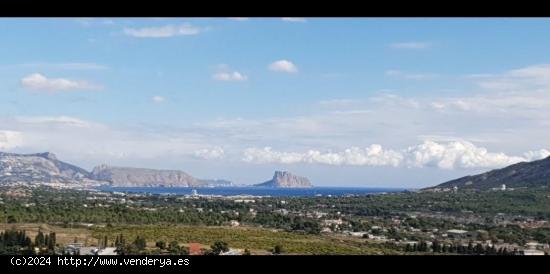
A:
[281,211]
[78,248]
[357,234]
[376,237]
[195,249]
[532,252]
[536,245]
[231,251]
[459,233]
[73,248]
[108,251]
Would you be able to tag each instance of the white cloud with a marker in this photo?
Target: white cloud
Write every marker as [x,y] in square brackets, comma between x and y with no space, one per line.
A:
[373,155]
[67,66]
[283,66]
[10,139]
[537,154]
[456,154]
[294,19]
[224,73]
[238,18]
[449,155]
[49,120]
[164,31]
[229,76]
[39,82]
[410,45]
[92,142]
[158,99]
[389,100]
[530,78]
[210,153]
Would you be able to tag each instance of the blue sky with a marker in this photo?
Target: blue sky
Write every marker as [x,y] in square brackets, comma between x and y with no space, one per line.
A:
[343,101]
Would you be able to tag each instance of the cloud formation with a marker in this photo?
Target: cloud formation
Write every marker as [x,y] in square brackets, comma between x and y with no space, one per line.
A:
[283,66]
[89,142]
[39,82]
[163,31]
[530,78]
[210,153]
[373,155]
[10,139]
[53,120]
[450,155]
[229,76]
[65,66]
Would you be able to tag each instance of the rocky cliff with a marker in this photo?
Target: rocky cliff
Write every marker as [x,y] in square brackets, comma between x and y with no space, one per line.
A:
[286,180]
[143,177]
[38,168]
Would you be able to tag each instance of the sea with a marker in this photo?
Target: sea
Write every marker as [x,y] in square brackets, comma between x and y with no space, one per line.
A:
[256,191]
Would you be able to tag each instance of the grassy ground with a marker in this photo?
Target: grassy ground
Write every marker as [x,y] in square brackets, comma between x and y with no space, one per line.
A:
[258,240]
[63,235]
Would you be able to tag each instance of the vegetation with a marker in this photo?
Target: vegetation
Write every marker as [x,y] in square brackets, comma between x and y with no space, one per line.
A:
[253,239]
[161,224]
[17,242]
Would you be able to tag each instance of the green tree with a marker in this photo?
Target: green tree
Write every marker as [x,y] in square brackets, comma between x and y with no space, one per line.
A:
[278,249]
[140,243]
[39,240]
[174,247]
[161,244]
[218,247]
[11,219]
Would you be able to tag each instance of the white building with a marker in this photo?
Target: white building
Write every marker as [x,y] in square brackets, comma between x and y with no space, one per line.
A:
[532,252]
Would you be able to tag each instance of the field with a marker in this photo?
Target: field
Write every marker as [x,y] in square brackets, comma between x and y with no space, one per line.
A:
[63,235]
[257,240]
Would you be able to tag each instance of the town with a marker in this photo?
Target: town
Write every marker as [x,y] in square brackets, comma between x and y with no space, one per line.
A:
[439,221]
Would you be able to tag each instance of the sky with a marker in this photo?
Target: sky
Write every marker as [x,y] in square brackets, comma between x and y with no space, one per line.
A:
[371,102]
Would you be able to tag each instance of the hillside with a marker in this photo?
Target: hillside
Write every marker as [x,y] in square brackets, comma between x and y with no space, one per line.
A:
[38,168]
[144,177]
[524,174]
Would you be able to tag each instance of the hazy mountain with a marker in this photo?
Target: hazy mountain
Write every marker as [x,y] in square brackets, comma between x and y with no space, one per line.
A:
[524,174]
[38,168]
[144,177]
[286,180]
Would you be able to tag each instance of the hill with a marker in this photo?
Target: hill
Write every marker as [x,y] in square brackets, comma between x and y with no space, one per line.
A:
[38,168]
[144,177]
[524,174]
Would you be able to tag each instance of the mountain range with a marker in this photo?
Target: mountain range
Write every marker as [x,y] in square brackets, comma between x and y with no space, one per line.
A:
[46,168]
[42,168]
